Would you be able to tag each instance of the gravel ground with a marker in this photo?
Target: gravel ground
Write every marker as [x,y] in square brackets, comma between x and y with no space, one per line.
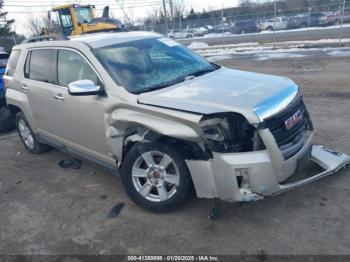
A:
[48,210]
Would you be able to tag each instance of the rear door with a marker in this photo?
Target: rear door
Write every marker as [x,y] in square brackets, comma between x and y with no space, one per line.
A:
[39,84]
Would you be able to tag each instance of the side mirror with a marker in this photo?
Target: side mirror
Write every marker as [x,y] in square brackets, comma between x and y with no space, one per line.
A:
[83,88]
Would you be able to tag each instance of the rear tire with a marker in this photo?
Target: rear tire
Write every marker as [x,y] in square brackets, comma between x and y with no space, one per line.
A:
[156,177]
[29,139]
[7,122]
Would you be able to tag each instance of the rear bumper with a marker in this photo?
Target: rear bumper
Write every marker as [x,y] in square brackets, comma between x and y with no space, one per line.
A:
[257,175]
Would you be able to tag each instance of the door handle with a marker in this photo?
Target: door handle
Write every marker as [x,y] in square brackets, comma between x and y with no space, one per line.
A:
[24,87]
[58,97]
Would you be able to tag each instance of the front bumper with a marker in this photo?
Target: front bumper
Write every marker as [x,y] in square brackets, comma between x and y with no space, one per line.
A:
[258,175]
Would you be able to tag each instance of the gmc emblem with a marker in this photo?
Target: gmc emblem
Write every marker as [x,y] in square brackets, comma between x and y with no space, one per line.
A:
[294,119]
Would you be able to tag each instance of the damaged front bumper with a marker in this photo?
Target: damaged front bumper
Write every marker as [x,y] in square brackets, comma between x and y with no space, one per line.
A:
[251,176]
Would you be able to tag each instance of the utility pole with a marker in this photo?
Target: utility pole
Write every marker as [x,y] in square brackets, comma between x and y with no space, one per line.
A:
[171,5]
[222,24]
[274,25]
[165,18]
[342,24]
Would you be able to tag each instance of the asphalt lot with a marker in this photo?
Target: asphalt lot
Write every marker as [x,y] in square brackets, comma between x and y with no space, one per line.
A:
[48,210]
[280,36]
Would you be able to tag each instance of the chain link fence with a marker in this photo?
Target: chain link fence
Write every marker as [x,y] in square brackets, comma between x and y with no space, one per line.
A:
[331,20]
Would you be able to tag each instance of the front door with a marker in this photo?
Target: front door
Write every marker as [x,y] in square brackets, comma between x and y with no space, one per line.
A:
[81,117]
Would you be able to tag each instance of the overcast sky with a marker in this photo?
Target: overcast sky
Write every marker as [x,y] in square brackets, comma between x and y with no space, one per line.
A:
[21,9]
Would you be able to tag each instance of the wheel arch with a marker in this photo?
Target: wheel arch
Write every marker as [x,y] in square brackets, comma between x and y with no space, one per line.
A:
[188,149]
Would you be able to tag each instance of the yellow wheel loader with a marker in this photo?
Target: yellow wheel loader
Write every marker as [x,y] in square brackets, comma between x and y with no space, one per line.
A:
[75,19]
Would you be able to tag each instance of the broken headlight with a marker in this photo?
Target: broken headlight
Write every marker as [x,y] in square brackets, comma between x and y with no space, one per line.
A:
[228,133]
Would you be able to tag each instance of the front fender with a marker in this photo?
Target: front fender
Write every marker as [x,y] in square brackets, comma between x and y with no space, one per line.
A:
[177,125]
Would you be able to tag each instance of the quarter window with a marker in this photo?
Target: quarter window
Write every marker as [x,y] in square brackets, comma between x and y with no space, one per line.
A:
[12,62]
[73,67]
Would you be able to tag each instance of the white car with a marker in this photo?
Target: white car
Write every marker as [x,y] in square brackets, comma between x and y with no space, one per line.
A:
[278,23]
[200,31]
[178,33]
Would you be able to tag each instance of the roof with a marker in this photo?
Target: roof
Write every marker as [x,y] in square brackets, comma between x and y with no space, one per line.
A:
[56,8]
[106,39]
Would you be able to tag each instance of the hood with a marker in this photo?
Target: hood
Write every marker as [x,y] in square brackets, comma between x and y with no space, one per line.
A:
[255,96]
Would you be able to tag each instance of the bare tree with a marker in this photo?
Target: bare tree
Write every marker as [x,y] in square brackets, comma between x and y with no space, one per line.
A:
[36,24]
[126,15]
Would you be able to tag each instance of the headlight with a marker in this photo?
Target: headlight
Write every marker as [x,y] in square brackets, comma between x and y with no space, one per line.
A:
[228,133]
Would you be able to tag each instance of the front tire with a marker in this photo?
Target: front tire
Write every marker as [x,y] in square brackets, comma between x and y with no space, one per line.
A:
[29,139]
[156,177]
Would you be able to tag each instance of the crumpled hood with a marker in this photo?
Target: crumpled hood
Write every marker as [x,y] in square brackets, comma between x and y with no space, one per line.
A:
[255,96]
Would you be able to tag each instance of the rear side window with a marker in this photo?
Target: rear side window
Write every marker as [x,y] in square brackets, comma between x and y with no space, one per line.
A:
[41,66]
[12,62]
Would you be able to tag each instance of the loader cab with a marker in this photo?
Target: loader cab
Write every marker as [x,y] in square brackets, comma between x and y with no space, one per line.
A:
[69,19]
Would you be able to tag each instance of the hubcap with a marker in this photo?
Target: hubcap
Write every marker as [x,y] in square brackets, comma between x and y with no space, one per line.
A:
[155,176]
[26,134]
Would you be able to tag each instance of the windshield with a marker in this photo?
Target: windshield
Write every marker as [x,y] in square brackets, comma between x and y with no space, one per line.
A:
[83,14]
[150,64]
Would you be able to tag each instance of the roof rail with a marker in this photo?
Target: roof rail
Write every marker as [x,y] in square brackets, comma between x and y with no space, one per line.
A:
[44,38]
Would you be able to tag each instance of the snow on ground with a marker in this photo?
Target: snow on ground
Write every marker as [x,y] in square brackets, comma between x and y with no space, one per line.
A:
[305,29]
[215,35]
[198,45]
[267,51]
[339,52]
[259,53]
[288,44]
[278,55]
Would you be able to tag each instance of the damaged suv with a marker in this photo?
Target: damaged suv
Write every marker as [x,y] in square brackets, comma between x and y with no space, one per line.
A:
[164,118]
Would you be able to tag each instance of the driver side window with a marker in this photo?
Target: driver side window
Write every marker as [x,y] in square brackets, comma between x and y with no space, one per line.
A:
[73,67]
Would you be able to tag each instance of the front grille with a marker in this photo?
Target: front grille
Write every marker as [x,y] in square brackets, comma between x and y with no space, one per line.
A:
[277,126]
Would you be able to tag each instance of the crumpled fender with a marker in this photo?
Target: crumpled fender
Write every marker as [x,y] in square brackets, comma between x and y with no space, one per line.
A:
[165,122]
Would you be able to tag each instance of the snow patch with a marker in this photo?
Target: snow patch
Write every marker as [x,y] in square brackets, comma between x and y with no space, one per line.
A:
[198,45]
[339,53]
[270,56]
[219,58]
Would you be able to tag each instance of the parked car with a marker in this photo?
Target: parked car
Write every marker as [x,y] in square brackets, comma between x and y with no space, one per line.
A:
[335,18]
[166,118]
[278,23]
[179,33]
[200,31]
[222,28]
[6,121]
[209,28]
[304,20]
[243,27]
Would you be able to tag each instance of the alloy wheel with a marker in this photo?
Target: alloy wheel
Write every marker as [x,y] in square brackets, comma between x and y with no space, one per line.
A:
[155,176]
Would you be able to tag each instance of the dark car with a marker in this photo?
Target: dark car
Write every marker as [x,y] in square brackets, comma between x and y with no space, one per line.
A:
[335,18]
[304,20]
[3,62]
[243,27]
[6,121]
